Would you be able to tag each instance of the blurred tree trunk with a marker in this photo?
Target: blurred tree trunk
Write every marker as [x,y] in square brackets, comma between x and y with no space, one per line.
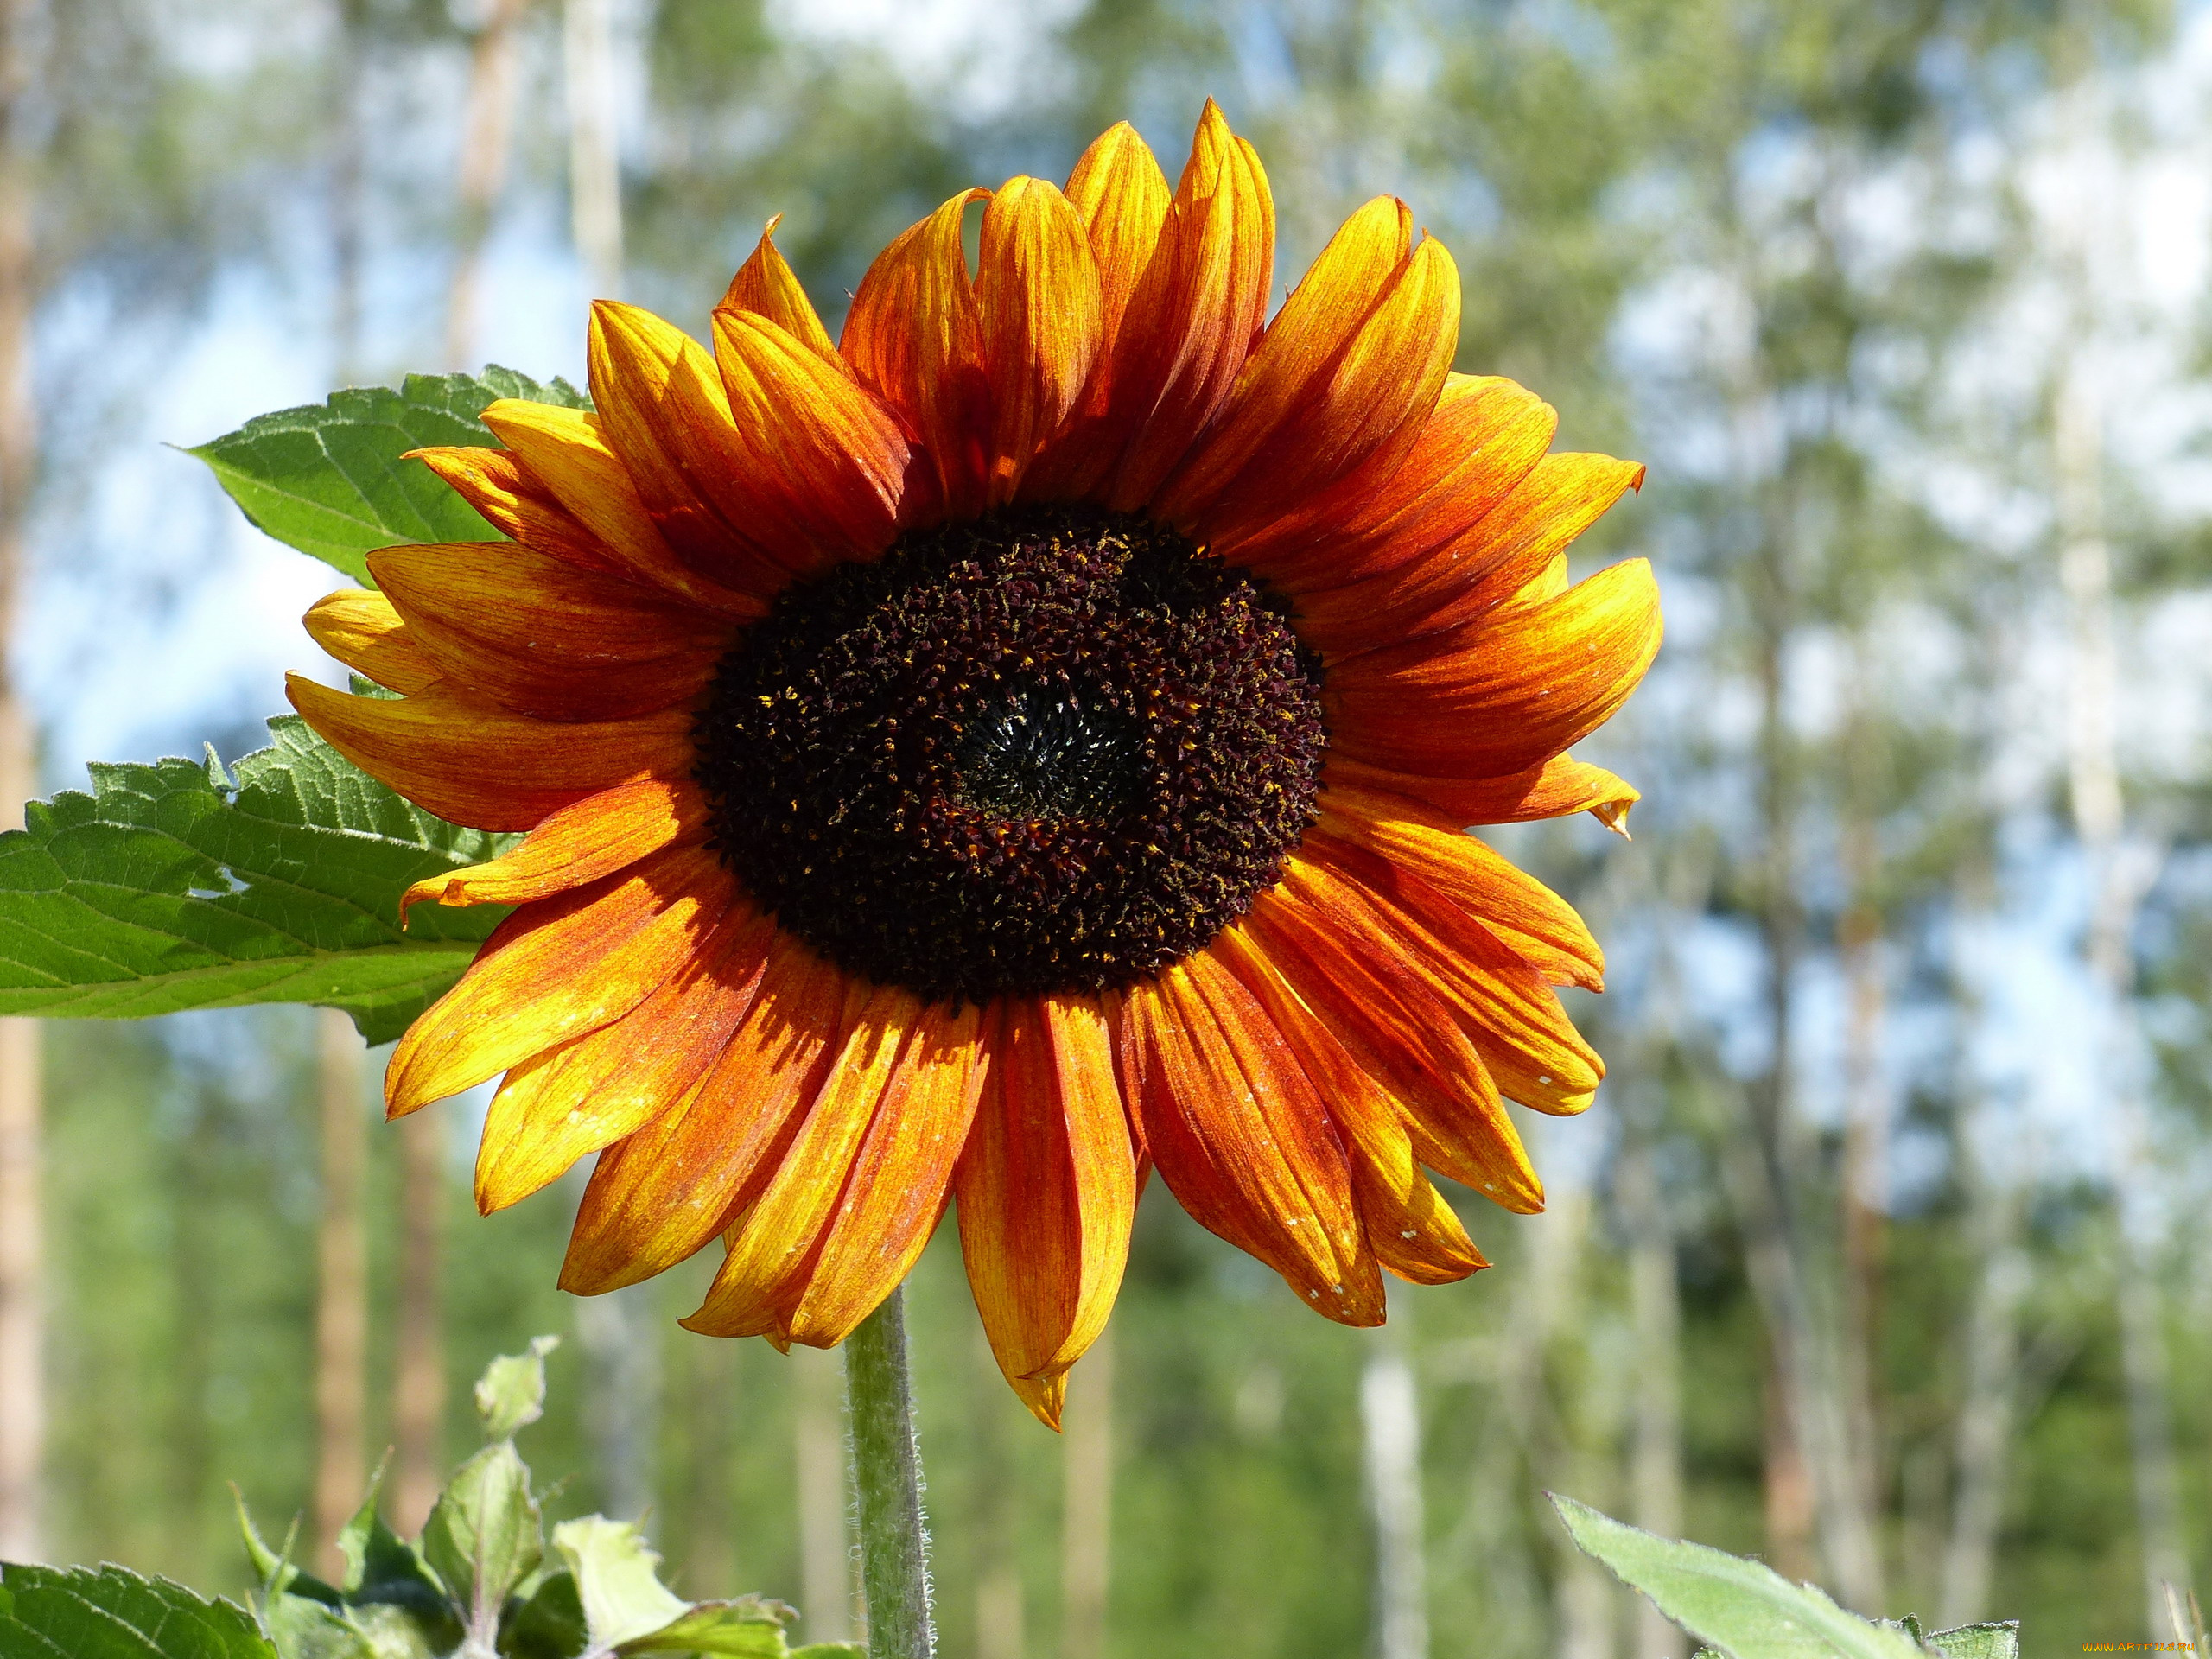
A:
[620,1334]
[1087,1521]
[594,160]
[1390,1410]
[486,144]
[22,1390]
[825,1560]
[341,1316]
[1002,1617]
[418,1385]
[705,1390]
[1656,1313]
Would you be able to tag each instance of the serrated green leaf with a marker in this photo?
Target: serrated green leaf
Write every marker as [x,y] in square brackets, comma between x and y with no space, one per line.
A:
[1992,1641]
[617,1581]
[550,1625]
[303,1629]
[164,889]
[274,1568]
[1745,1609]
[484,1536]
[751,1627]
[110,1613]
[383,1573]
[329,479]
[511,1395]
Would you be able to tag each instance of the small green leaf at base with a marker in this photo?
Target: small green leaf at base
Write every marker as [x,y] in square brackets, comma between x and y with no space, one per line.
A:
[110,1613]
[330,479]
[1744,1608]
[511,1395]
[484,1536]
[173,886]
[1995,1641]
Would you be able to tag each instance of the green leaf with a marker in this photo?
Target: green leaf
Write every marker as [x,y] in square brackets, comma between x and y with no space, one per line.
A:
[384,1575]
[110,1613]
[511,1395]
[329,479]
[172,886]
[484,1536]
[752,1627]
[618,1579]
[1978,1642]
[1744,1608]
[274,1568]
[301,1629]
[830,1651]
[550,1625]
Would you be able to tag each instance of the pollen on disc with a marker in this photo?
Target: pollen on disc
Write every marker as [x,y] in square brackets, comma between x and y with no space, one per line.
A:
[1052,749]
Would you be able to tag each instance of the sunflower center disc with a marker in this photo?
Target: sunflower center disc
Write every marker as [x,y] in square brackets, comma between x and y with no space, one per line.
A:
[1053,749]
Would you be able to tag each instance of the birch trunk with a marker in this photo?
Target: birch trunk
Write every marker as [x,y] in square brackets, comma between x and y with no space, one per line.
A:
[419,1404]
[595,166]
[1390,1410]
[22,1386]
[825,1550]
[620,1333]
[1656,1451]
[1087,1520]
[485,145]
[341,1307]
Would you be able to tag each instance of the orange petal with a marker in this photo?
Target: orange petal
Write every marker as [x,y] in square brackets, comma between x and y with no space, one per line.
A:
[1481,440]
[1038,297]
[497,484]
[1528,1044]
[822,461]
[486,768]
[901,1176]
[1121,196]
[765,286]
[1047,1190]
[772,1246]
[1559,499]
[664,411]
[594,837]
[1561,786]
[558,968]
[662,1194]
[566,452]
[1242,1139]
[541,636]
[1378,837]
[361,630]
[1344,381]
[1414,1232]
[568,1102]
[1393,1018]
[1502,693]
[915,336]
[1196,312]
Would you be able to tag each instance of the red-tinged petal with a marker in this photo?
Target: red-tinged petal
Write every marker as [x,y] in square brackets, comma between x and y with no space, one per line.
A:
[497,484]
[1047,1189]
[566,451]
[542,636]
[773,1245]
[557,969]
[1392,1017]
[1454,585]
[1413,1231]
[570,1101]
[1561,786]
[765,286]
[1196,312]
[915,336]
[1528,1046]
[823,463]
[1506,692]
[1122,195]
[1037,295]
[579,844]
[661,405]
[484,767]
[361,630]
[1481,440]
[662,1195]
[902,1176]
[1242,1139]
[1377,838]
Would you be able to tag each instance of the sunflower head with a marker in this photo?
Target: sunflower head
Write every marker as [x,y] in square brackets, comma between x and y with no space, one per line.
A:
[1021,745]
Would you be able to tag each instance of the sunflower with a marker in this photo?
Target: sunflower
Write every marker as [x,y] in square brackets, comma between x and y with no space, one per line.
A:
[1021,745]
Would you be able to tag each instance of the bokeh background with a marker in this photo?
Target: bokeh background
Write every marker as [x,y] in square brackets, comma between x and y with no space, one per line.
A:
[1884,1252]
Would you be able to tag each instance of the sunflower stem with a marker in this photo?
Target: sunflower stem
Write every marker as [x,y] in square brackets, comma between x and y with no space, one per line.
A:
[887,1476]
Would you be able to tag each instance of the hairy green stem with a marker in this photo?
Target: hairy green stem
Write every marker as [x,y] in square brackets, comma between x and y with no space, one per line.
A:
[887,1475]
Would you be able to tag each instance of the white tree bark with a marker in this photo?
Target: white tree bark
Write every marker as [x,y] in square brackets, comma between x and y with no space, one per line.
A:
[595,163]
[487,143]
[1087,1502]
[824,1540]
[342,1302]
[1389,1412]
